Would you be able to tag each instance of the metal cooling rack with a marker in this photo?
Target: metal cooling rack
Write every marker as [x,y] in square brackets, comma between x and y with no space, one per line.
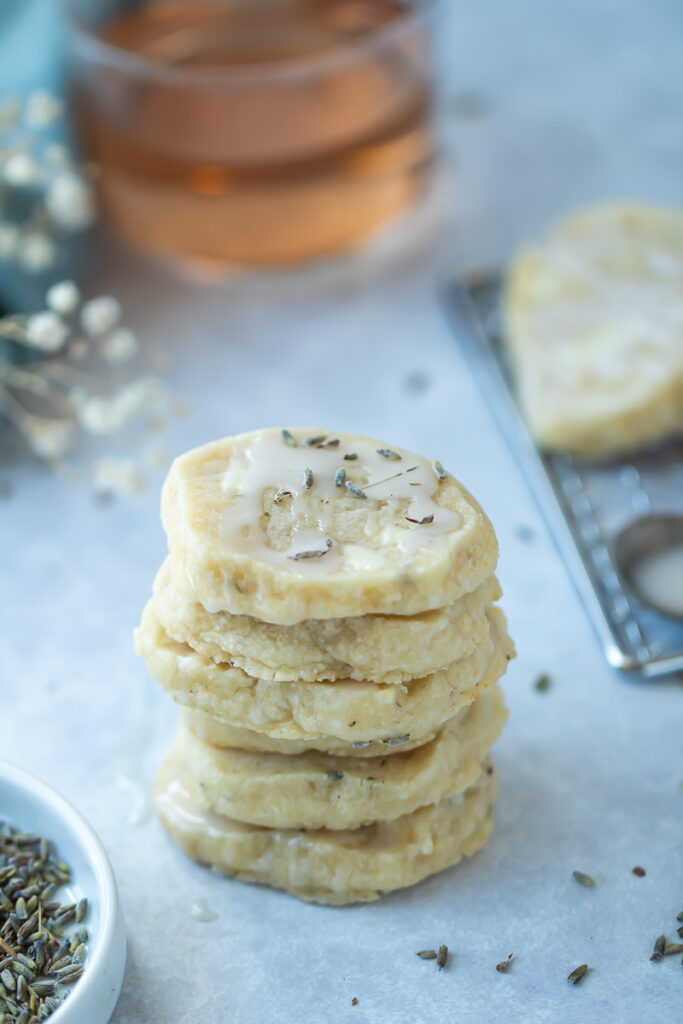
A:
[585,505]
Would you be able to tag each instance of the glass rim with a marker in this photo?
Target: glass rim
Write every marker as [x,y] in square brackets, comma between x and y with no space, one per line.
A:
[96,49]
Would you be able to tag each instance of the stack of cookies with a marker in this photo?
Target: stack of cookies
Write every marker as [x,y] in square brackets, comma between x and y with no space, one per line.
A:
[326,621]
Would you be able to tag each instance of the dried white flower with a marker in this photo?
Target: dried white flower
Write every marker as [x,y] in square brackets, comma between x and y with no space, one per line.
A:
[9,236]
[117,476]
[46,331]
[119,345]
[106,414]
[35,252]
[63,297]
[49,438]
[21,170]
[41,108]
[69,201]
[95,415]
[99,315]
[57,196]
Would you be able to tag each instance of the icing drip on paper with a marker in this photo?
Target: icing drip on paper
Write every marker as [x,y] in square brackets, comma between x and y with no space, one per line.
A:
[201,911]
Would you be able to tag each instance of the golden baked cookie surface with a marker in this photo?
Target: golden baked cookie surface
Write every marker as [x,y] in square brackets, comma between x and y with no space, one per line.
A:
[321,791]
[347,710]
[267,525]
[220,733]
[323,865]
[384,648]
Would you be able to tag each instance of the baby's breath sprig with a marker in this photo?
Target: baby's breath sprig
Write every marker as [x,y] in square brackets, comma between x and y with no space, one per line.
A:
[78,380]
[78,385]
[56,195]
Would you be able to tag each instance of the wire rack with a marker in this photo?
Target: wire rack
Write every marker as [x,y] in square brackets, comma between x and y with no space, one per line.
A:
[585,505]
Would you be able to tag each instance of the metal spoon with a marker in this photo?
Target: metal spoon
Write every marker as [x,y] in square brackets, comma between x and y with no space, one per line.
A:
[639,541]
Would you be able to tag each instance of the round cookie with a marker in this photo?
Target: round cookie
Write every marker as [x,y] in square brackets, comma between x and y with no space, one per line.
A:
[594,326]
[381,648]
[221,734]
[270,526]
[348,710]
[325,866]
[317,790]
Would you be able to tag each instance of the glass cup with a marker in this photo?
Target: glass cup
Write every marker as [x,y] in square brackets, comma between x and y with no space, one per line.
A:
[253,133]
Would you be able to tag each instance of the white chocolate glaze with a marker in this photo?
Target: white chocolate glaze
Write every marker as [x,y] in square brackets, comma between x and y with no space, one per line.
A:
[185,812]
[304,476]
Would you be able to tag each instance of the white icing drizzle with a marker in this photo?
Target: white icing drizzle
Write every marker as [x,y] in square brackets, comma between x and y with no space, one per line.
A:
[266,462]
[201,911]
[184,811]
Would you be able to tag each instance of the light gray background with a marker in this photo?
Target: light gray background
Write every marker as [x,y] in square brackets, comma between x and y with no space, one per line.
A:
[582,101]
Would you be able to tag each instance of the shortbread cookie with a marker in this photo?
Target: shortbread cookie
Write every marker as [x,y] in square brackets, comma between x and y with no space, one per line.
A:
[221,734]
[383,648]
[319,791]
[269,526]
[594,323]
[325,866]
[346,709]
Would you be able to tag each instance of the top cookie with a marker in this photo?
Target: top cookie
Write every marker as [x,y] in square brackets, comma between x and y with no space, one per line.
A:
[594,324]
[288,525]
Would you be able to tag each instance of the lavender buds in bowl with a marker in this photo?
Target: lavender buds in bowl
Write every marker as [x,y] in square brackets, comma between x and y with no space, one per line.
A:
[62,941]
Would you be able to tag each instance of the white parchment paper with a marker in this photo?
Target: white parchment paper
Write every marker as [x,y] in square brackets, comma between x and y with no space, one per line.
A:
[579,104]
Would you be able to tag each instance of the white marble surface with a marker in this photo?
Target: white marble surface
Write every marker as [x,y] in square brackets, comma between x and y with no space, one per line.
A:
[581,103]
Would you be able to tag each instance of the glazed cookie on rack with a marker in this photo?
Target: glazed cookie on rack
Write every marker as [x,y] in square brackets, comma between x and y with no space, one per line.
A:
[594,326]
[290,525]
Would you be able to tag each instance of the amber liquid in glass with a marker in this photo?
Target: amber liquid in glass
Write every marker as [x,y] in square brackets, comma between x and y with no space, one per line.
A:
[318,133]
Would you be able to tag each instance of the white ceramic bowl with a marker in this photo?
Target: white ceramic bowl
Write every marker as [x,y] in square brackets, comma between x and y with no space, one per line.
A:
[32,806]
